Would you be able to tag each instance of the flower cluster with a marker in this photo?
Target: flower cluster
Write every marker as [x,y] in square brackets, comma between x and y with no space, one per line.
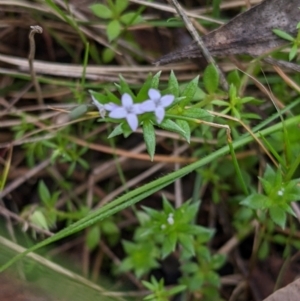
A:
[129,110]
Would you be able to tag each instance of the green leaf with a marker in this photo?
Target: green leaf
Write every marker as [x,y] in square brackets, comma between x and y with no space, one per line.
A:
[212,278]
[249,99]
[190,211]
[204,234]
[187,243]
[283,35]
[44,193]
[189,91]
[251,116]
[148,285]
[196,282]
[203,253]
[127,131]
[169,244]
[220,103]
[280,239]
[211,79]
[293,52]
[109,227]
[126,265]
[173,86]
[143,93]
[269,174]
[93,237]
[170,125]
[124,87]
[292,191]
[278,216]
[196,113]
[218,261]
[101,11]
[155,80]
[151,297]
[129,247]
[184,125]
[118,130]
[168,208]
[78,111]
[154,214]
[121,5]
[38,218]
[113,30]
[177,289]
[108,55]
[149,137]
[264,250]
[278,178]
[256,201]
[232,92]
[190,267]
[234,78]
[131,18]
[267,186]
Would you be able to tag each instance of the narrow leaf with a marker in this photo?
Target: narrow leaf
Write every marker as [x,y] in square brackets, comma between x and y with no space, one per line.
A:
[155,80]
[113,29]
[149,137]
[189,91]
[170,125]
[101,11]
[173,86]
[196,113]
[121,5]
[211,79]
[283,35]
[184,125]
[278,216]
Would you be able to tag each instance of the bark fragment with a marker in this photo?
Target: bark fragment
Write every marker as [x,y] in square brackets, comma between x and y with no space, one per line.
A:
[248,33]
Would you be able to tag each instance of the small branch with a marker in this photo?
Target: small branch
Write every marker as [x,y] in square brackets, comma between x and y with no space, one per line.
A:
[199,42]
[34,29]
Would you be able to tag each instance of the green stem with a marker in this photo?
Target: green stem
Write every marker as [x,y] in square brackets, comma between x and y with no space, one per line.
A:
[237,168]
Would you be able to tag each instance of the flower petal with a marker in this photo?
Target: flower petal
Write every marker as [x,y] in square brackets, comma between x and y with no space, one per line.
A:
[110,106]
[132,121]
[154,94]
[160,114]
[147,106]
[118,113]
[136,109]
[99,106]
[167,100]
[126,100]
[97,103]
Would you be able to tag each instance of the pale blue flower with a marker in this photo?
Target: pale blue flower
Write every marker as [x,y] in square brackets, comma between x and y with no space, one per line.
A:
[103,108]
[157,104]
[99,106]
[128,110]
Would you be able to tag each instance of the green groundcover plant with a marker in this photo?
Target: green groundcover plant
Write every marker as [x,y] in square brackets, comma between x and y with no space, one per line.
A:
[178,109]
[200,108]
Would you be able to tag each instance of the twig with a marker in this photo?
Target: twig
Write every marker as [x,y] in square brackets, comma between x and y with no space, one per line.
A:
[284,64]
[22,179]
[5,212]
[199,42]
[34,29]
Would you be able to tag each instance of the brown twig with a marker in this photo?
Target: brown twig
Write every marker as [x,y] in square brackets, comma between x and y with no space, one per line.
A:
[199,42]
[34,29]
